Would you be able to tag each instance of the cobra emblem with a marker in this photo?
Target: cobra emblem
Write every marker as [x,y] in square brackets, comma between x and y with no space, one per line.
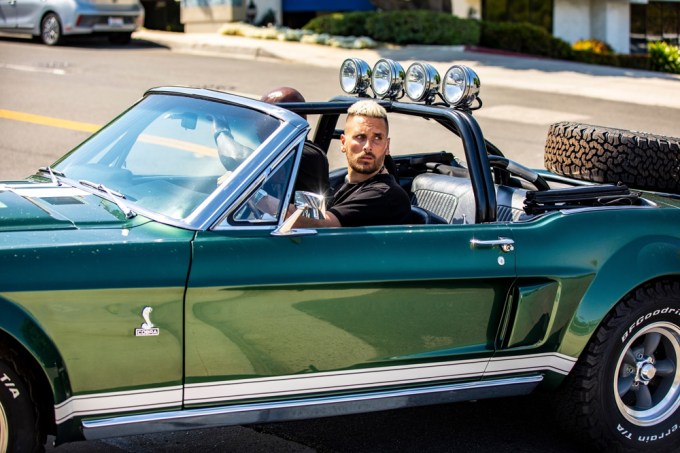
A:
[146,314]
[147,328]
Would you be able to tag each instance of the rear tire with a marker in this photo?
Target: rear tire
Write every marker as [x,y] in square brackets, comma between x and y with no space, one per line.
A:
[608,155]
[19,425]
[50,30]
[625,389]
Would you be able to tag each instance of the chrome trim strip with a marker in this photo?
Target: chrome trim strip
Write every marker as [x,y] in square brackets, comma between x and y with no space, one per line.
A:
[648,205]
[304,409]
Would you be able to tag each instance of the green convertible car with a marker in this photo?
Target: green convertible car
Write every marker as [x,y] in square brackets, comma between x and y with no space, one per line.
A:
[143,290]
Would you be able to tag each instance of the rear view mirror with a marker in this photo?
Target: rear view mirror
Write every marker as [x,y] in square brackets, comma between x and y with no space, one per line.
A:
[188,119]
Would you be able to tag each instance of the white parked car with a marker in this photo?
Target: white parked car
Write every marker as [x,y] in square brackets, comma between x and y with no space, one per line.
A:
[51,20]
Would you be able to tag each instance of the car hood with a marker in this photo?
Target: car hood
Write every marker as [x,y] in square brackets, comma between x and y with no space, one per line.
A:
[34,206]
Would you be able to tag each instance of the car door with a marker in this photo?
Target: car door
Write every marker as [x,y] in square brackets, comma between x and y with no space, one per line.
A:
[8,14]
[341,310]
[29,12]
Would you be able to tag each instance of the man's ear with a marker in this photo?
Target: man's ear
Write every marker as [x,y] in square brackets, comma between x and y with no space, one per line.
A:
[342,141]
[387,151]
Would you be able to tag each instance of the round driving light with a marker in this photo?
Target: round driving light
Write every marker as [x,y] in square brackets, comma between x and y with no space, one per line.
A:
[422,82]
[355,76]
[461,86]
[387,78]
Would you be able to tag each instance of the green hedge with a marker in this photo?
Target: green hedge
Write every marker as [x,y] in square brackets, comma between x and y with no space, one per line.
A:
[341,24]
[422,27]
[523,38]
[400,27]
[618,60]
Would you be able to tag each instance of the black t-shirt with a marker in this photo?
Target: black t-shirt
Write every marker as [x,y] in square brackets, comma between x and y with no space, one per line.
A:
[379,200]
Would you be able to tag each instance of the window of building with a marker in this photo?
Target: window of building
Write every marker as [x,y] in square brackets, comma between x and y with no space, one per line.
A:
[655,21]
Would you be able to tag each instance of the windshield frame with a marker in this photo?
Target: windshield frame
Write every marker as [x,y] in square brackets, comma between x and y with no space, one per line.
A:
[291,127]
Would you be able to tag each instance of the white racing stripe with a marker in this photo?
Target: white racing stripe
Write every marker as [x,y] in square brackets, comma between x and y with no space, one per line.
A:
[558,363]
[102,403]
[167,397]
[331,382]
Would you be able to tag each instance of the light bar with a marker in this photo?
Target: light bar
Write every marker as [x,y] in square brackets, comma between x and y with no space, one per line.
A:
[355,76]
[461,86]
[422,82]
[387,79]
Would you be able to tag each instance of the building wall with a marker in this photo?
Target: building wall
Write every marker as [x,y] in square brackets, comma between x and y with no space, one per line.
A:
[616,30]
[467,9]
[208,16]
[608,21]
[571,19]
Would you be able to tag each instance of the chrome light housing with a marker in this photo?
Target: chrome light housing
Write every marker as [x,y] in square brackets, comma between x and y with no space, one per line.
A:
[461,86]
[422,82]
[355,76]
[387,78]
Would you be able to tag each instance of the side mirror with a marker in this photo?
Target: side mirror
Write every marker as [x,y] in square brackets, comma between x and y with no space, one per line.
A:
[307,204]
[312,204]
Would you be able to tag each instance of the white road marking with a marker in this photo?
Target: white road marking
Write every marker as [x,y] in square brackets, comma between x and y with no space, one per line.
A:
[15,67]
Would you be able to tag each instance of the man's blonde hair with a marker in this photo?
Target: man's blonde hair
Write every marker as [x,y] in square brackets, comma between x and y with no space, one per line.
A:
[369,109]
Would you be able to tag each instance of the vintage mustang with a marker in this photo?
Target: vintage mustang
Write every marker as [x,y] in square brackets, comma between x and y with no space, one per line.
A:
[142,289]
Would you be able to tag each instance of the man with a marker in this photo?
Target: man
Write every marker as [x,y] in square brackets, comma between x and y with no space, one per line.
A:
[370,195]
[313,172]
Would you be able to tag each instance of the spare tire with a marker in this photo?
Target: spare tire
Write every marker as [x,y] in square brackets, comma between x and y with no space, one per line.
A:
[608,155]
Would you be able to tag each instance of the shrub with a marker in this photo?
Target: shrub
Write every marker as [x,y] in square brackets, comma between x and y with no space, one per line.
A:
[523,38]
[588,56]
[341,24]
[664,57]
[422,27]
[594,46]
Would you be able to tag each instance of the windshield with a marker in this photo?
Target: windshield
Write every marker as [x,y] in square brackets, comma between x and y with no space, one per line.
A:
[169,153]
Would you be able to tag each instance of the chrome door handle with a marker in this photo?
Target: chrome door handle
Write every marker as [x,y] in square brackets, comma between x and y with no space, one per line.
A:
[505,244]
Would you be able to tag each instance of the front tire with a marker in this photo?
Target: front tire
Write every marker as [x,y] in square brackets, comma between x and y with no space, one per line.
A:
[19,427]
[625,389]
[50,30]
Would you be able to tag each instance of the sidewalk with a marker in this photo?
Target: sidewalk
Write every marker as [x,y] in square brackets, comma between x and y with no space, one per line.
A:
[519,72]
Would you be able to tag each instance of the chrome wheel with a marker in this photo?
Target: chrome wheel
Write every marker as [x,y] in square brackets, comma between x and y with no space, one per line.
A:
[647,378]
[4,430]
[51,30]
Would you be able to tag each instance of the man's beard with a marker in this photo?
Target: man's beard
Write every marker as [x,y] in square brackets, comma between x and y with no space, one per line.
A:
[367,170]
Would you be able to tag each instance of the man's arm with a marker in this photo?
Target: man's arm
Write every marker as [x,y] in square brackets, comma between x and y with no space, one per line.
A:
[306,222]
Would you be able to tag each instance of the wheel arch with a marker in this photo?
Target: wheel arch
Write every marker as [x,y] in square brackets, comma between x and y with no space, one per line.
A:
[37,29]
[22,334]
[640,263]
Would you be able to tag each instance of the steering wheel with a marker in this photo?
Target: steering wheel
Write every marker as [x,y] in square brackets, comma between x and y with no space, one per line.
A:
[522,172]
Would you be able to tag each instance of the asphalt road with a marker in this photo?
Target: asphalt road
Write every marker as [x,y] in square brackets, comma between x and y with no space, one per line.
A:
[90,82]
[70,90]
